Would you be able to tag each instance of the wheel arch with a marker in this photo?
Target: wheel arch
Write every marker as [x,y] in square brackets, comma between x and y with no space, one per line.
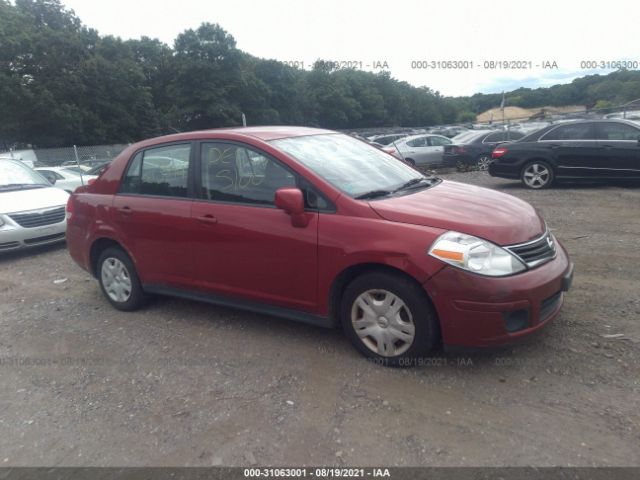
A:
[350,273]
[98,246]
[538,158]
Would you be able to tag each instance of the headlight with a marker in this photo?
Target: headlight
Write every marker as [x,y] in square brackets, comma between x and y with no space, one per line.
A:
[475,255]
[1,222]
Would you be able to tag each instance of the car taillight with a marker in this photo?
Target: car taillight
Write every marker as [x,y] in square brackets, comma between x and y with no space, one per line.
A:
[499,152]
[91,181]
[69,208]
[458,150]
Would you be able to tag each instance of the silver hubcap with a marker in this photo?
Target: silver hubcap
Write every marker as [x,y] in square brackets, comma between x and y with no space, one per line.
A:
[536,175]
[116,280]
[383,322]
[483,163]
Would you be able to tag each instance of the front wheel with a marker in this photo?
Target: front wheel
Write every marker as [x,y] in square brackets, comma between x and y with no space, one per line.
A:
[119,281]
[537,175]
[389,318]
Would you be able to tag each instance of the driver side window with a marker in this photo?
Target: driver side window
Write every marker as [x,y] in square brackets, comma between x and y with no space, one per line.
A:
[234,173]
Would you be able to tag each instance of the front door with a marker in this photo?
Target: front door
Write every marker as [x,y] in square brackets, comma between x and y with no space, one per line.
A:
[245,246]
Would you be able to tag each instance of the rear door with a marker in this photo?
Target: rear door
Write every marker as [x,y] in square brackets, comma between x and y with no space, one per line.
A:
[244,246]
[152,214]
[619,143]
[575,149]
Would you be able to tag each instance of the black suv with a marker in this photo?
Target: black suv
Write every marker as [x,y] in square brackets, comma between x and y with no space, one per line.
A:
[581,150]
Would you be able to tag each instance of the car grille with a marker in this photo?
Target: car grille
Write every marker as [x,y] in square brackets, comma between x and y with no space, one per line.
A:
[39,218]
[9,245]
[536,252]
[46,238]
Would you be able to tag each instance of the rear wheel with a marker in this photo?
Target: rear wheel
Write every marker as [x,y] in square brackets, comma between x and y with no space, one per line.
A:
[119,281]
[410,161]
[389,318]
[483,163]
[537,175]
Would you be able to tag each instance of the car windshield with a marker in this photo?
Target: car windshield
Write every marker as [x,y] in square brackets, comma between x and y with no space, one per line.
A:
[16,175]
[352,166]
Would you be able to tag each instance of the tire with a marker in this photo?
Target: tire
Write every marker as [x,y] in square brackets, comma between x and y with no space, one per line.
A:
[482,163]
[537,175]
[395,345]
[119,280]
[410,161]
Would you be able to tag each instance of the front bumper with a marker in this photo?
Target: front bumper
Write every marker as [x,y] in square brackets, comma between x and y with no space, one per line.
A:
[13,237]
[480,311]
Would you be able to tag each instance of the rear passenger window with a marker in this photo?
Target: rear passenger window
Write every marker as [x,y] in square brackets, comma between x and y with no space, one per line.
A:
[161,171]
[494,137]
[580,131]
[617,131]
[439,141]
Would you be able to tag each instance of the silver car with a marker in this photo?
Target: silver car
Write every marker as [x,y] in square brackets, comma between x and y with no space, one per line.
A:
[32,212]
[420,150]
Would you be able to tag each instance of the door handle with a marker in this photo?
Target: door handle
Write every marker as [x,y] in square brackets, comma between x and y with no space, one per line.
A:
[207,219]
[554,146]
[608,147]
[126,210]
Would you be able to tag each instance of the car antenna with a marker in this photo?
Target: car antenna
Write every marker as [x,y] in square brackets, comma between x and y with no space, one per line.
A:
[396,147]
[75,150]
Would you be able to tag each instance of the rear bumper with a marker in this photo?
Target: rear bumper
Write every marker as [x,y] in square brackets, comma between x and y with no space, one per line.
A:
[453,159]
[476,311]
[504,171]
[16,237]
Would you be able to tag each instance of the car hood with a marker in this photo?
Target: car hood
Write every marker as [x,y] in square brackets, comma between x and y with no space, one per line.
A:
[32,199]
[494,216]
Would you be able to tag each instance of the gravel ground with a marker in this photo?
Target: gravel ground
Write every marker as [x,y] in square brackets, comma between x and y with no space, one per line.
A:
[181,383]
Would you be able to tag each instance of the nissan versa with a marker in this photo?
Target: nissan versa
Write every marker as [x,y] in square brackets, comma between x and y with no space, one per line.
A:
[319,227]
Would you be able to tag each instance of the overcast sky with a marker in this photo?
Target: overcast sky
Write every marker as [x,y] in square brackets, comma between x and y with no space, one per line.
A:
[399,32]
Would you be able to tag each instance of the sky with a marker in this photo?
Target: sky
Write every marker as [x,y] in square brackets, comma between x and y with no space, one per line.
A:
[406,34]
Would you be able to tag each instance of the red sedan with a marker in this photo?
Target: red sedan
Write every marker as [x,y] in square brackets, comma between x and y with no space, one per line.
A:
[319,227]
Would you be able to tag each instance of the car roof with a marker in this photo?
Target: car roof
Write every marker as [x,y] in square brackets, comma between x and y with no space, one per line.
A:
[265,133]
[420,135]
[591,120]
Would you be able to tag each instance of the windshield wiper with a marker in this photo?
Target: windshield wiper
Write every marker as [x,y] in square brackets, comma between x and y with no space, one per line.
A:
[411,183]
[373,194]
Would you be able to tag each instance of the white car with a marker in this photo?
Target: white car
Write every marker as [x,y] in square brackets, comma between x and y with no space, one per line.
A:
[65,177]
[32,212]
[420,150]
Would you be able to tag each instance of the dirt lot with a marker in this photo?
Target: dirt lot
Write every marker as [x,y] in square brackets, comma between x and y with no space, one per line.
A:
[183,383]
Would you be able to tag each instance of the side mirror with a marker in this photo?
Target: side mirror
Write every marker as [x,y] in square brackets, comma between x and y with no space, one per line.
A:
[51,178]
[291,201]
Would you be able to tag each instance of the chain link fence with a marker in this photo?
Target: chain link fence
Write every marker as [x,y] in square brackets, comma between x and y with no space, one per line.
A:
[90,155]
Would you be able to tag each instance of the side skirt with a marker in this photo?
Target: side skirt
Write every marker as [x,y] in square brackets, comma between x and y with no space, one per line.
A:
[251,306]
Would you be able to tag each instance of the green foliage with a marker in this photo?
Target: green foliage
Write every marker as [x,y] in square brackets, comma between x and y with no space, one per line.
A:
[61,83]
